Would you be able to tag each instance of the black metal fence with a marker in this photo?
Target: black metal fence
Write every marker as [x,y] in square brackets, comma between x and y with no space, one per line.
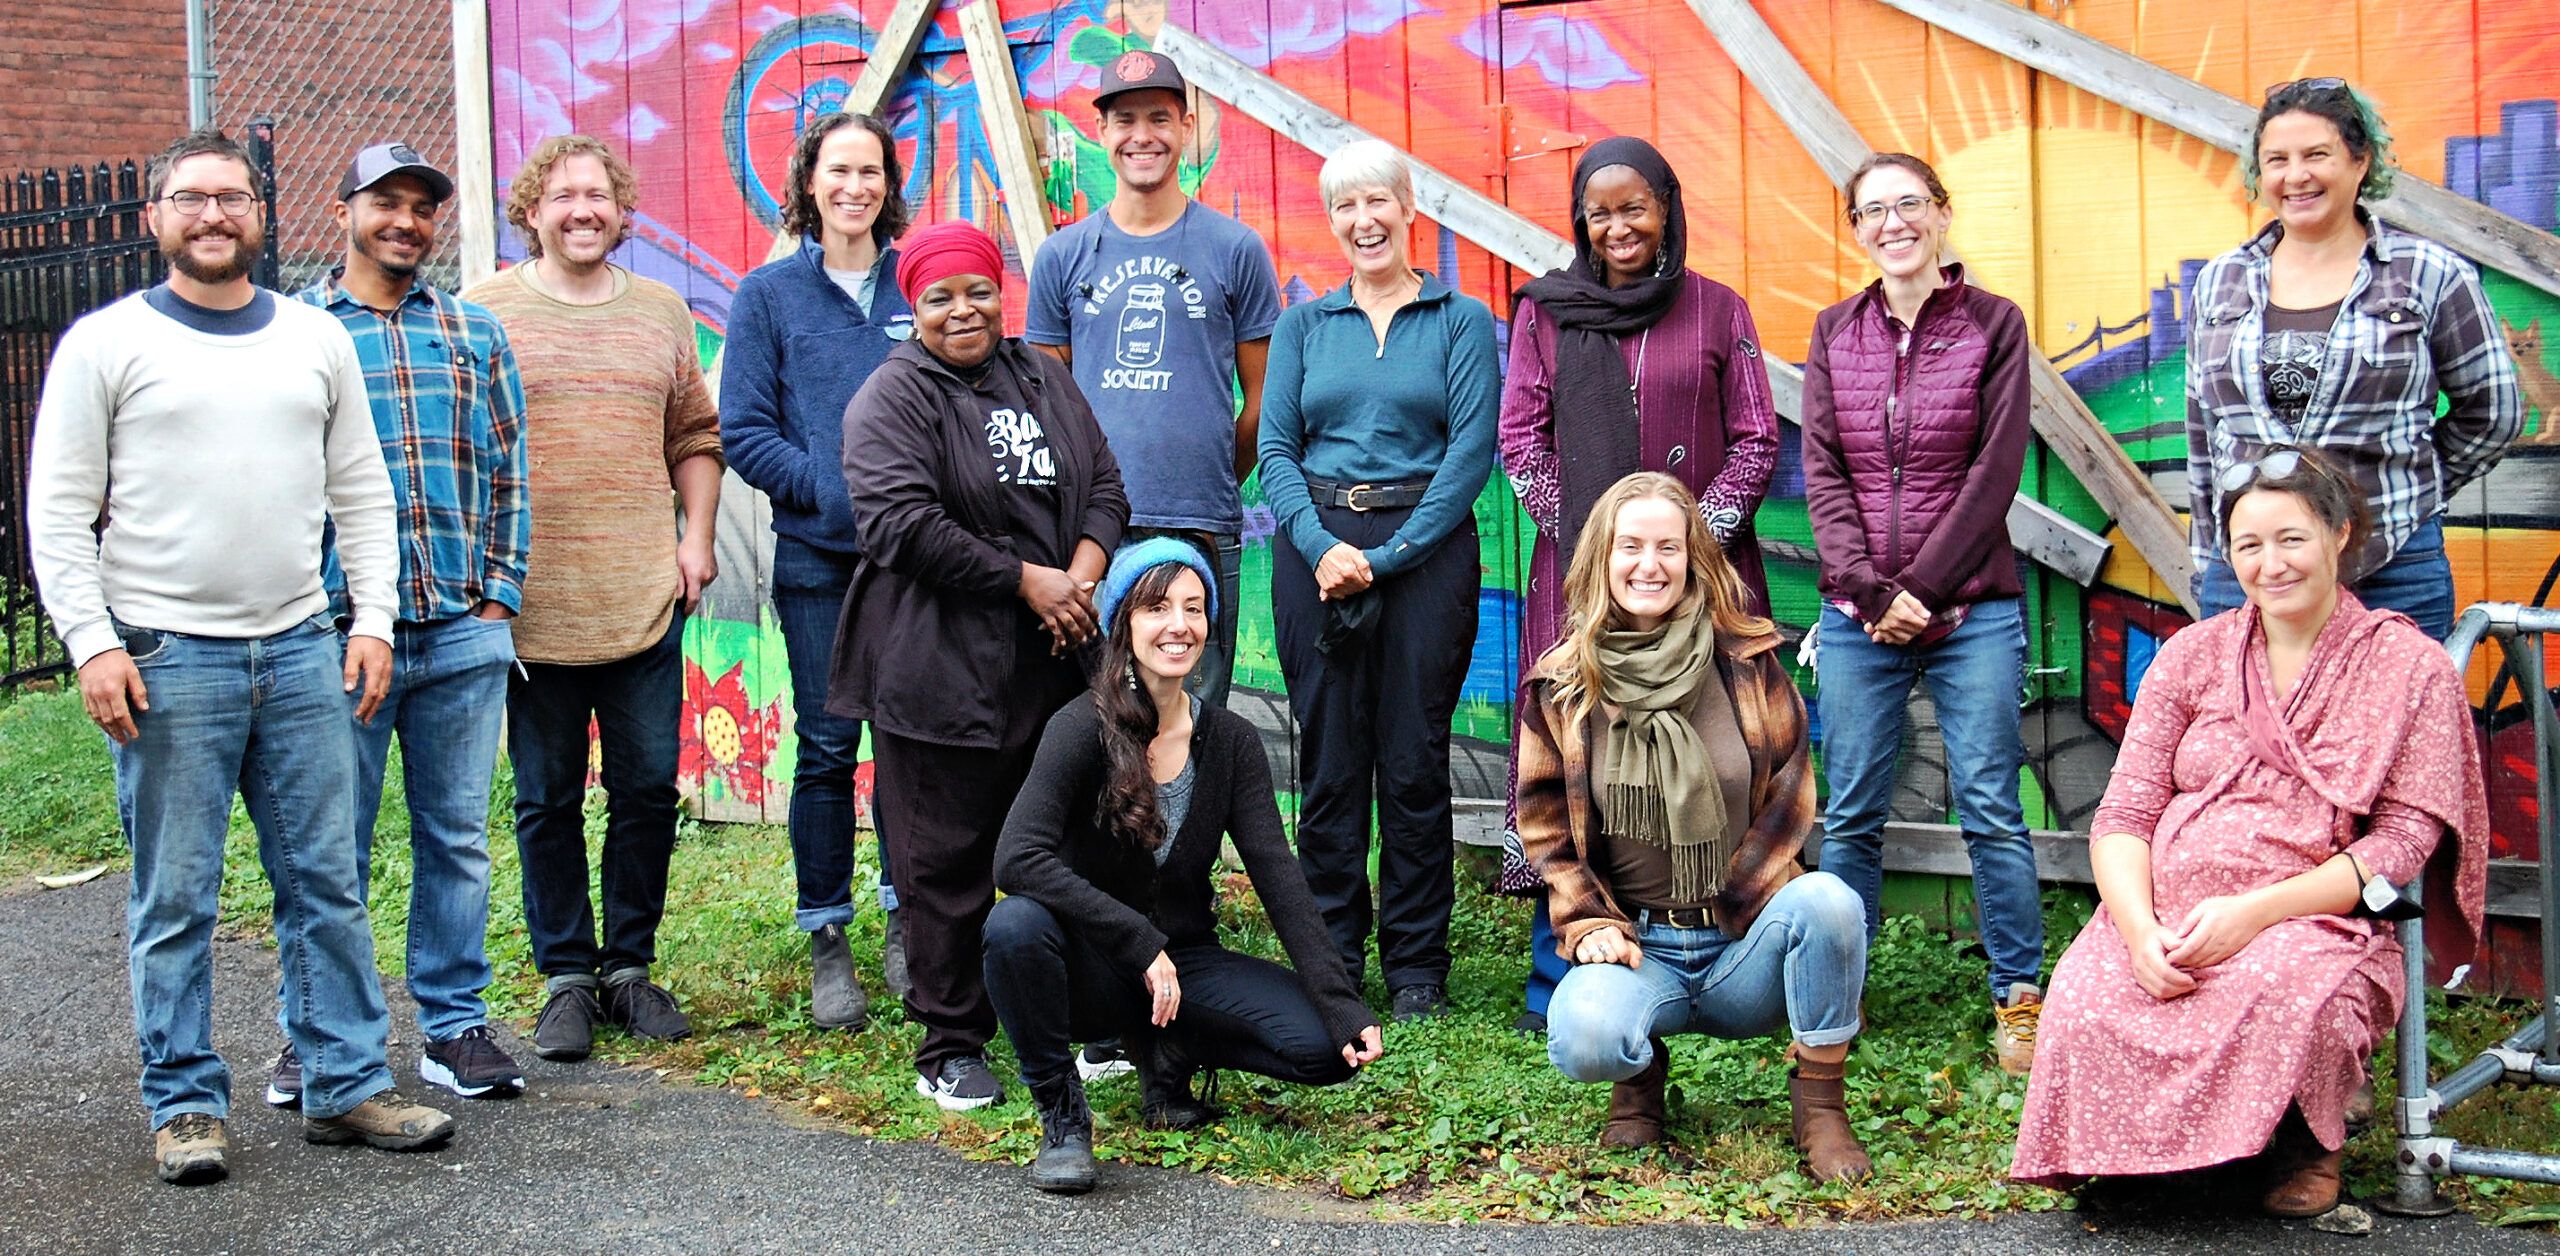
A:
[70,241]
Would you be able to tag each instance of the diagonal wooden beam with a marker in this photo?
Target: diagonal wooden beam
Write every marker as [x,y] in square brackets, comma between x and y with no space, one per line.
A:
[1011,138]
[2042,533]
[893,47]
[2112,74]
[2065,422]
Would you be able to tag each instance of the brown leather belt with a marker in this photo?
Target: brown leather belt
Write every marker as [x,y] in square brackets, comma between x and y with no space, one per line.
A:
[1677,917]
[1365,497]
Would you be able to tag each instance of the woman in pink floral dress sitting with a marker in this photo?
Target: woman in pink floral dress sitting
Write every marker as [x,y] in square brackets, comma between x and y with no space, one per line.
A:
[2224,1000]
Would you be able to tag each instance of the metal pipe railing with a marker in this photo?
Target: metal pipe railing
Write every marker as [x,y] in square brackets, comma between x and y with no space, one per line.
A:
[2423,1156]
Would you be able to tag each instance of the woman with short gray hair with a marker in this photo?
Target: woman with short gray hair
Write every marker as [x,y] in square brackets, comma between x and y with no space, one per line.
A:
[1378,419]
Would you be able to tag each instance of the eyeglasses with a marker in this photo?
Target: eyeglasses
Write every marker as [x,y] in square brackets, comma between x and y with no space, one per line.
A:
[2274,466]
[2299,86]
[1908,209]
[191,204]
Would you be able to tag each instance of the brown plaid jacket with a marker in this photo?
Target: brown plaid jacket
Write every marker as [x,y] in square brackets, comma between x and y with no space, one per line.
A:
[1559,818]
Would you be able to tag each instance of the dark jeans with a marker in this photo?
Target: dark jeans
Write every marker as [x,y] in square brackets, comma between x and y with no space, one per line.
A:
[941,809]
[637,704]
[1217,667]
[2417,582]
[1052,991]
[808,598]
[1374,716]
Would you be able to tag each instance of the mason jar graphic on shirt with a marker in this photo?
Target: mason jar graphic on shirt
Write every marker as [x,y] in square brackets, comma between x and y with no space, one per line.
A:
[1142,326]
[1020,447]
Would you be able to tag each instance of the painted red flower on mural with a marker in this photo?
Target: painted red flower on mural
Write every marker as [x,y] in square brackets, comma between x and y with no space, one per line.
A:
[725,739]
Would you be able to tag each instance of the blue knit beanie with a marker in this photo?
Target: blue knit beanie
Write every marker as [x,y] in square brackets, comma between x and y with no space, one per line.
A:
[1140,557]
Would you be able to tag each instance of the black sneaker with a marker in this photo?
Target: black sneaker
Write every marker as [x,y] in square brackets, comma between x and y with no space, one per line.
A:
[644,1009]
[961,1083]
[472,1064]
[1099,1060]
[566,1030]
[1420,1001]
[1065,1164]
[1530,1025]
[284,1079]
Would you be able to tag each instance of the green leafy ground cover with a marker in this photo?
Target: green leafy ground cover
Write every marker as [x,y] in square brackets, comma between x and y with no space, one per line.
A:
[1461,1120]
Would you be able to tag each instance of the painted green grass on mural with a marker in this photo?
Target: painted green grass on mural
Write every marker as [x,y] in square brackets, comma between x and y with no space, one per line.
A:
[1461,1120]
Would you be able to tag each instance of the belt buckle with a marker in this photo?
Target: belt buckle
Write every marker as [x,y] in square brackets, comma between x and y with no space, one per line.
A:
[1351,497]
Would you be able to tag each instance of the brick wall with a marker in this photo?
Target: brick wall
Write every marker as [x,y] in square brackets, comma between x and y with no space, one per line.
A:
[82,82]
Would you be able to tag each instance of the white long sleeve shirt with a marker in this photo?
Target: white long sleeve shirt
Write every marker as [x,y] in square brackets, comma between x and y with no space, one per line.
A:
[181,479]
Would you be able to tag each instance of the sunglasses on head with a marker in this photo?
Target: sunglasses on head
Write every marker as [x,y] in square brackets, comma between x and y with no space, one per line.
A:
[2300,86]
[2274,466]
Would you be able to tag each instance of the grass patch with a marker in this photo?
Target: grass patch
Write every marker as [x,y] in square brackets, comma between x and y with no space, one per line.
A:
[1461,1120]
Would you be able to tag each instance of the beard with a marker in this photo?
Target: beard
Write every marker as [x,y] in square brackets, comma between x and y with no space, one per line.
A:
[244,251]
[375,253]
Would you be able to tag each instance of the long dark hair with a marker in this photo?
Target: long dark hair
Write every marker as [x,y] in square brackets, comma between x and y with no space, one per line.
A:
[800,210]
[1127,807]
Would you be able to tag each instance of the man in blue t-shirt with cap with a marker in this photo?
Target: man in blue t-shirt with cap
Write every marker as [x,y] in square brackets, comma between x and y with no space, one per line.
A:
[1163,306]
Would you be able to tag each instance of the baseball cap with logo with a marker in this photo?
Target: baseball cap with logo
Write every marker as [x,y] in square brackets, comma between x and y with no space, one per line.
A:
[381,161]
[1139,70]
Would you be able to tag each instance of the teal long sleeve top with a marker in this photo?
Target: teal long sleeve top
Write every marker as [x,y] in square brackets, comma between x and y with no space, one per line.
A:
[1340,404]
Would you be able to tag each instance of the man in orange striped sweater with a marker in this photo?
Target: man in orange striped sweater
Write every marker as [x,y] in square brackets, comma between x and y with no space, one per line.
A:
[616,413]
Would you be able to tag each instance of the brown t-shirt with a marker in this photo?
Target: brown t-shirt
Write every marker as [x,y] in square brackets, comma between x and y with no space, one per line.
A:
[614,399]
[1639,876]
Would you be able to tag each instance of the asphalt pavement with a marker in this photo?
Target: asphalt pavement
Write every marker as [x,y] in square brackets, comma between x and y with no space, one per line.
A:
[595,1159]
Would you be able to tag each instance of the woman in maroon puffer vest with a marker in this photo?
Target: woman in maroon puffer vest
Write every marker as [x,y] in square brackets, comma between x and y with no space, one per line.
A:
[1915,427]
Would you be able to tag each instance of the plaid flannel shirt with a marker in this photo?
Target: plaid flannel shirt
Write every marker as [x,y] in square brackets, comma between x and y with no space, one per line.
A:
[450,411]
[2414,324]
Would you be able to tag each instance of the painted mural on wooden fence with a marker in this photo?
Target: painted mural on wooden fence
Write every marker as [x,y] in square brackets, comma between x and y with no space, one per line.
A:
[2093,218]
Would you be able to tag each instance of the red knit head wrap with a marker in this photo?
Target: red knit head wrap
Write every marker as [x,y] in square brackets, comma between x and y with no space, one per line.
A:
[938,252]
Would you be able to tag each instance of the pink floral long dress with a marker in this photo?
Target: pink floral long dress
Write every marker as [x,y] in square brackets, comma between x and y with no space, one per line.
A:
[2372,753]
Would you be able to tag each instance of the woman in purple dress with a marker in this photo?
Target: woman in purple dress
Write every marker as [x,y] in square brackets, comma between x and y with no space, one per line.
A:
[1621,362]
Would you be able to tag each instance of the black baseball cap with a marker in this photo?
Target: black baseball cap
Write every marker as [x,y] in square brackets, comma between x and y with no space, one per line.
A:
[381,161]
[1139,70]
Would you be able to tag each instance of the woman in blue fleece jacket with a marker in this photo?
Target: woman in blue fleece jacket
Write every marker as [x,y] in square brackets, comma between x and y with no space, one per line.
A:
[1378,416]
[805,331]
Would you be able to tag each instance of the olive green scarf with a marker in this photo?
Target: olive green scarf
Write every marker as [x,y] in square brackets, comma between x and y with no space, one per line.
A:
[1661,786]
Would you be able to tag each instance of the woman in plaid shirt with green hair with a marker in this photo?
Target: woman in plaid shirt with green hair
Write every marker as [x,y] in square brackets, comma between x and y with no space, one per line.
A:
[2332,329]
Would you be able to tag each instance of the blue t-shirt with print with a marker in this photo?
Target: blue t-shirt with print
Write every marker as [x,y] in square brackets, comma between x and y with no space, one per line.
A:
[1153,322]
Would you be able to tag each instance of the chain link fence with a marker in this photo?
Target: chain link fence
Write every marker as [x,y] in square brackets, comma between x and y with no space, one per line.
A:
[321,79]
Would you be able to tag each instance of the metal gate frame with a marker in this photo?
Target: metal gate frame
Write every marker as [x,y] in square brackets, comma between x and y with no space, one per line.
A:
[2422,1155]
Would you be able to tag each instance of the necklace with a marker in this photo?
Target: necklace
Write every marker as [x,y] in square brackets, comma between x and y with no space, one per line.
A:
[1634,402]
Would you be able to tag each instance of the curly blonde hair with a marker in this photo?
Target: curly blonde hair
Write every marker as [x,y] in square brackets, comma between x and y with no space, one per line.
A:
[527,191]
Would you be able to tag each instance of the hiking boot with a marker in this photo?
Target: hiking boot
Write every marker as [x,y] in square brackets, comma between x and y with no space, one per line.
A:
[1420,1001]
[192,1149]
[959,1084]
[472,1064]
[1820,1104]
[643,1008]
[836,1000]
[1065,1164]
[2014,1039]
[284,1079]
[1164,1085]
[566,1030]
[1638,1106]
[893,959]
[387,1120]
[1099,1060]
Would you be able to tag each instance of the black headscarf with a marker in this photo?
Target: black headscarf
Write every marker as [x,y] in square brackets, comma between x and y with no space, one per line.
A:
[1597,442]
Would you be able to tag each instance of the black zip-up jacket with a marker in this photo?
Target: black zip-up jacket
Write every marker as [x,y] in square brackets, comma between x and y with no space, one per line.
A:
[1110,892]
[933,641]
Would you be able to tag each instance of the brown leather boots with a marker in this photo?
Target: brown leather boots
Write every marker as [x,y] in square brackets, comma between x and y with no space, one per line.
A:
[1831,1151]
[1637,1106]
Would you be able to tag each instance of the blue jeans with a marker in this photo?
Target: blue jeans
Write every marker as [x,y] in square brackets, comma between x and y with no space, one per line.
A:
[1802,965]
[808,599]
[448,703]
[267,717]
[2417,582]
[1974,676]
[1546,968]
[637,704]
[1217,666]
